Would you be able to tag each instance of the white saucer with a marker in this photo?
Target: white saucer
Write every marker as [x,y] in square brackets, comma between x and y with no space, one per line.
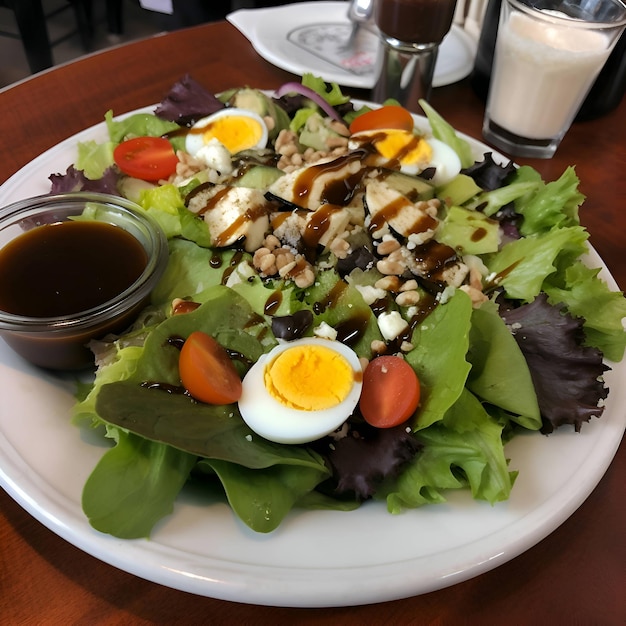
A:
[311,37]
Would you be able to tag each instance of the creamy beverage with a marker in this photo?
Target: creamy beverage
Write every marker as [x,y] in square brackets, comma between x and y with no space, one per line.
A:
[542,74]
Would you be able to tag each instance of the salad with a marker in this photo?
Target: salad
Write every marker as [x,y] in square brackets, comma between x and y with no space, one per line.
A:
[353,308]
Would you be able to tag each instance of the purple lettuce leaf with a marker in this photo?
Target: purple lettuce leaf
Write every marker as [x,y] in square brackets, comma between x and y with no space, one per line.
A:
[488,174]
[567,375]
[75,180]
[362,460]
[187,102]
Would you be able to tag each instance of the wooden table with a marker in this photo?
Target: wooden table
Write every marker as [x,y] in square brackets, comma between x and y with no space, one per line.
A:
[575,575]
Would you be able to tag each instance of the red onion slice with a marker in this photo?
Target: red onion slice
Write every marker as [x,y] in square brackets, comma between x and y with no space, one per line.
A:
[298,88]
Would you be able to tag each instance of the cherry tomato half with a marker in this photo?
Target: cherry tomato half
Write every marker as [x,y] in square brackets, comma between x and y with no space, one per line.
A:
[207,372]
[147,158]
[390,393]
[390,116]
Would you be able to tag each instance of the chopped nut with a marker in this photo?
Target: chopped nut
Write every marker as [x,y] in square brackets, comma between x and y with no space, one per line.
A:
[409,285]
[475,278]
[305,278]
[388,283]
[387,267]
[284,257]
[476,295]
[271,242]
[285,269]
[378,347]
[339,127]
[387,246]
[336,142]
[264,261]
[285,137]
[340,247]
[406,346]
[408,298]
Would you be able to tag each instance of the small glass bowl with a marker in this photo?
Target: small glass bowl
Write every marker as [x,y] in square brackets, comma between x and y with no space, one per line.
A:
[61,342]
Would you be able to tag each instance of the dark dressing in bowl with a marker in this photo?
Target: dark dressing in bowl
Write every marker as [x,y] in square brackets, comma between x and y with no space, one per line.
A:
[68,267]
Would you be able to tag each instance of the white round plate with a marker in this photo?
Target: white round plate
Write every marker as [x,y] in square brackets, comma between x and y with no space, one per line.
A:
[315,558]
[308,37]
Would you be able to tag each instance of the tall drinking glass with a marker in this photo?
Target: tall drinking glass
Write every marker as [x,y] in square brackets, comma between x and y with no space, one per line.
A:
[548,54]
[411,32]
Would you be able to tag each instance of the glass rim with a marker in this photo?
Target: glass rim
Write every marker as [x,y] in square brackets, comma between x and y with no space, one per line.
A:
[127,299]
[530,8]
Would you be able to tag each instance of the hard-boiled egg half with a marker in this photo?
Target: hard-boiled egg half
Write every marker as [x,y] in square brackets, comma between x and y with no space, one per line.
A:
[236,129]
[411,152]
[301,390]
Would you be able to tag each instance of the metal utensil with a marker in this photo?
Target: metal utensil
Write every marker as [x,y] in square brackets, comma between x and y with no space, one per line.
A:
[359,12]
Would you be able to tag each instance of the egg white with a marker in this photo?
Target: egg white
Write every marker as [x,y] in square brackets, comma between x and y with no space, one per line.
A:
[445,160]
[276,422]
[195,139]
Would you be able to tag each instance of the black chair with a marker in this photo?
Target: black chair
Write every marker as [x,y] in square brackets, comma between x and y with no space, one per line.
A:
[31,24]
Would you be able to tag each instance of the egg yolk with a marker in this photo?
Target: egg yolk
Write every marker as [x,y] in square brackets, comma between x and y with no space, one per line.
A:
[235,132]
[403,146]
[309,378]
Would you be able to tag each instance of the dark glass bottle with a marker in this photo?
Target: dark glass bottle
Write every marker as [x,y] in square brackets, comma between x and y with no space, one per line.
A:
[481,74]
[608,90]
[605,94]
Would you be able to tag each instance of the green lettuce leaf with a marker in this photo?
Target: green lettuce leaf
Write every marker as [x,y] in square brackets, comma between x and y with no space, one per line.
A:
[490,202]
[300,118]
[202,430]
[588,297]
[523,265]
[258,294]
[341,305]
[500,374]
[443,131]
[190,270]
[120,368]
[134,485]
[165,204]
[553,205]
[139,125]
[331,92]
[94,158]
[262,498]
[464,449]
[161,422]
[438,357]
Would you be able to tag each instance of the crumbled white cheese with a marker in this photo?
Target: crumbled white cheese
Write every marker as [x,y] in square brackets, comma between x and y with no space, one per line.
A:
[370,293]
[419,239]
[446,294]
[325,331]
[411,312]
[391,324]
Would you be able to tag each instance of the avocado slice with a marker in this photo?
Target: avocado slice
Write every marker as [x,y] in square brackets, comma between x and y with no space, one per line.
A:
[412,187]
[258,177]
